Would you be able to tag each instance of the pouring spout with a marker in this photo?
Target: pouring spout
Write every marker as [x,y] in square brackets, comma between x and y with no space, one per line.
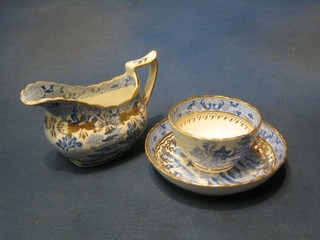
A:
[111,93]
[40,93]
[114,92]
[48,94]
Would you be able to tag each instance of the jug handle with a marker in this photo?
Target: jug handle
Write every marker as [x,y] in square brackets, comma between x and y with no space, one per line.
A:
[149,59]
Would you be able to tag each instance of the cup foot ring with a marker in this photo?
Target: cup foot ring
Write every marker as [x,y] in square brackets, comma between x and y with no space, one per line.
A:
[212,170]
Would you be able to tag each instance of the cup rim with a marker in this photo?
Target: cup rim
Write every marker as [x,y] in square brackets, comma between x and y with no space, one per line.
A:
[255,129]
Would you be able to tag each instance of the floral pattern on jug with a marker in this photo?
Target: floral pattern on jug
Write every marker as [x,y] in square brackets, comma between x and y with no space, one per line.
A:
[88,132]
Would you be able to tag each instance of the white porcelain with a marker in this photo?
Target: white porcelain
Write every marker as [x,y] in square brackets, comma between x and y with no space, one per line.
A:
[214,131]
[94,124]
[266,156]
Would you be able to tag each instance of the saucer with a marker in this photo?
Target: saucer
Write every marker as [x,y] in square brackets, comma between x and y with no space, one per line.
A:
[266,156]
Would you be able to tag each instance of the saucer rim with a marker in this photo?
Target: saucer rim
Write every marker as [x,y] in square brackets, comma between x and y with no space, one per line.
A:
[216,186]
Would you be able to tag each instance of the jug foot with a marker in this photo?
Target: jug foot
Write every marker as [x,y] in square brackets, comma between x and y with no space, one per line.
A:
[94,163]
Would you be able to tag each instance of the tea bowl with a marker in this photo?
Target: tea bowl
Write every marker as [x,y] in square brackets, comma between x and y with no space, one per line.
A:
[214,132]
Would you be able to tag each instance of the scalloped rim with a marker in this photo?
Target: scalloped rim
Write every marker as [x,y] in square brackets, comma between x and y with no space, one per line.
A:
[255,129]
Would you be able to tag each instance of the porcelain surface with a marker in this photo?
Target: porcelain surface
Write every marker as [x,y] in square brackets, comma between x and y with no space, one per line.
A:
[214,131]
[94,124]
[266,156]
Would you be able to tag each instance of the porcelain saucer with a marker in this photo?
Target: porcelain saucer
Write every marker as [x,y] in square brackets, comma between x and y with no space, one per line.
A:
[267,155]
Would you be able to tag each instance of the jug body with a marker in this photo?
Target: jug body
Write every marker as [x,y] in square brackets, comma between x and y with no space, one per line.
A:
[89,135]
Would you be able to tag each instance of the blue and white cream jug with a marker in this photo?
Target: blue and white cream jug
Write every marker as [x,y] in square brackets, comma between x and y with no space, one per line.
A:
[94,124]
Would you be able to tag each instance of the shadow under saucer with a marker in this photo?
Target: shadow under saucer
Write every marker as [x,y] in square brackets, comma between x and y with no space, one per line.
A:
[226,202]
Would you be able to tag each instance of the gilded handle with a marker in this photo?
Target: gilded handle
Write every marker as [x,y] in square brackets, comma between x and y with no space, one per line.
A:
[151,60]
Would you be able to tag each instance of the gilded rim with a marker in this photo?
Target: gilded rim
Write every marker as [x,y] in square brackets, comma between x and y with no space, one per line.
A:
[255,129]
[133,95]
[44,100]
[268,174]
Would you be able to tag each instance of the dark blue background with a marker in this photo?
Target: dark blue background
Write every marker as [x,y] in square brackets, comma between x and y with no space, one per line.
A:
[263,52]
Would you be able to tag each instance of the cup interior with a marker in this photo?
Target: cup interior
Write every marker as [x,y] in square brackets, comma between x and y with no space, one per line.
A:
[214,117]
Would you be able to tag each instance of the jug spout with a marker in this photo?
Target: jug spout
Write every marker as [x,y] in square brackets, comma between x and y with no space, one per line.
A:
[42,93]
[112,93]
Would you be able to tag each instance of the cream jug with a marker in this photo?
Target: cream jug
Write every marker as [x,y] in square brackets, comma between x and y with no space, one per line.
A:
[94,124]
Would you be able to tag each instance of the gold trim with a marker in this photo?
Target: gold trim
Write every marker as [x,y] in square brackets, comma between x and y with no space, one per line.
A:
[153,62]
[270,173]
[255,129]
[204,115]
[44,100]
[212,170]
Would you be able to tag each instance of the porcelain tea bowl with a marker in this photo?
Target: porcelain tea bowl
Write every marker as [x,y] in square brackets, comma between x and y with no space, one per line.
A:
[214,132]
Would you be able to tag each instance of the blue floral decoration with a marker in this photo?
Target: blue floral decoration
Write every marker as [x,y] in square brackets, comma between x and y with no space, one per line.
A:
[234,104]
[207,104]
[68,142]
[209,147]
[198,153]
[47,88]
[133,132]
[223,153]
[193,103]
